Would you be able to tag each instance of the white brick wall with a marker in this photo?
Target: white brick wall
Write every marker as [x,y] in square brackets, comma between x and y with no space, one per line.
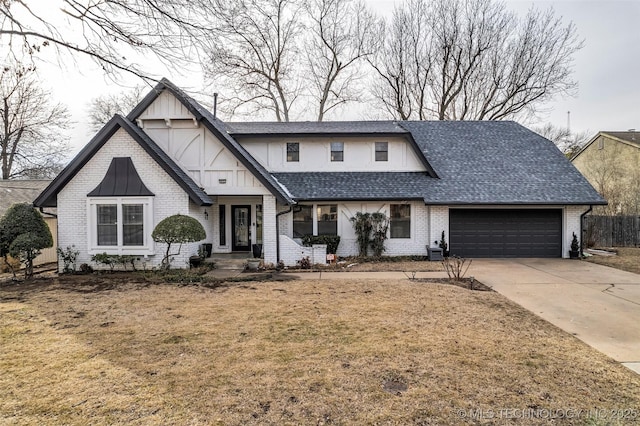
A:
[571,225]
[72,200]
[291,252]
[269,248]
[439,222]
[416,245]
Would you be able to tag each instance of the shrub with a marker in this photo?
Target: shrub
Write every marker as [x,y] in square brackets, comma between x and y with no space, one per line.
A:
[331,241]
[575,245]
[177,229]
[23,233]
[114,259]
[68,257]
[362,225]
[304,263]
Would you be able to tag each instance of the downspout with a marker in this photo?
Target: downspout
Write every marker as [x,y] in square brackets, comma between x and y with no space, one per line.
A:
[582,230]
[47,213]
[278,231]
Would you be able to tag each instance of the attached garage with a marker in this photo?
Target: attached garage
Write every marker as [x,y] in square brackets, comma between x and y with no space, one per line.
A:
[505,232]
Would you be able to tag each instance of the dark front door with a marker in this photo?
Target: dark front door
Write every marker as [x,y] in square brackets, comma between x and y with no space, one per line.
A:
[240,223]
[505,233]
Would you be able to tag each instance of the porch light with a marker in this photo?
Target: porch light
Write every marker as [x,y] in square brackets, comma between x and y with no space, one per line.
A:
[206,215]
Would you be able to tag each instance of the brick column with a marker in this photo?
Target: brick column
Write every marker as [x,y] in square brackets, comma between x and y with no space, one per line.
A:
[269,247]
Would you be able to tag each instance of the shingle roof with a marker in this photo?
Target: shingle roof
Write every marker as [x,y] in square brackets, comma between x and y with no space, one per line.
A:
[217,127]
[338,128]
[478,162]
[48,197]
[630,136]
[19,191]
[498,162]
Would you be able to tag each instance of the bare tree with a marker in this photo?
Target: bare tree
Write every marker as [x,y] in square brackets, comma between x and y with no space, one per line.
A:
[478,61]
[339,40]
[566,141]
[112,32]
[256,55]
[31,140]
[403,61]
[103,108]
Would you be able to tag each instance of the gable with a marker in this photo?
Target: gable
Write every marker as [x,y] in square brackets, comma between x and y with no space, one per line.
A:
[208,161]
[202,117]
[48,198]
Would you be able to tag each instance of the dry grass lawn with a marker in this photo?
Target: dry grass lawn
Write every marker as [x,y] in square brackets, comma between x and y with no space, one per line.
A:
[628,259]
[78,350]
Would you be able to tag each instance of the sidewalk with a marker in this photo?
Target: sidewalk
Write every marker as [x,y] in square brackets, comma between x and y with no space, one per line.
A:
[330,275]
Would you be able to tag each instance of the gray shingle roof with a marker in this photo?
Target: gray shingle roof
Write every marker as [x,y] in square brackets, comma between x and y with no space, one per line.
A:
[338,128]
[630,136]
[478,162]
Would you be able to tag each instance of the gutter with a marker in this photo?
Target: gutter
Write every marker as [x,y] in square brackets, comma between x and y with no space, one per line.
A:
[278,231]
[582,230]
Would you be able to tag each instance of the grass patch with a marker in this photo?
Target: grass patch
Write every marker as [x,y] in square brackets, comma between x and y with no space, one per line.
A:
[297,352]
[627,259]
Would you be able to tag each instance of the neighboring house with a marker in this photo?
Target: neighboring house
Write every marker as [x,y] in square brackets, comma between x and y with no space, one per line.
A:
[611,163]
[495,188]
[25,191]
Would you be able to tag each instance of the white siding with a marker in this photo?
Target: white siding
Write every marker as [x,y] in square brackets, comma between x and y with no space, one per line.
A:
[315,154]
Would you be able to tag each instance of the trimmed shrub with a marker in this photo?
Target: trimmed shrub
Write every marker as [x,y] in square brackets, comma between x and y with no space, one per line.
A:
[177,229]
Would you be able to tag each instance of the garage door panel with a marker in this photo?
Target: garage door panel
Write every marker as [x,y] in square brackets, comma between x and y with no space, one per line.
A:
[506,233]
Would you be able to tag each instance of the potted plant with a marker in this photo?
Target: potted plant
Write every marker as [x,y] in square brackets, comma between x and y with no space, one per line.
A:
[253,264]
[443,245]
[197,259]
[574,253]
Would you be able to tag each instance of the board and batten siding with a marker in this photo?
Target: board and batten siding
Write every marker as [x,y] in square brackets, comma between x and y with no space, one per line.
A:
[196,150]
[414,245]
[315,154]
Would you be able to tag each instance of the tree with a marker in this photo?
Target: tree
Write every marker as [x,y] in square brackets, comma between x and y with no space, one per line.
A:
[32,141]
[566,141]
[177,229]
[110,32]
[471,60]
[254,53]
[103,108]
[339,40]
[27,233]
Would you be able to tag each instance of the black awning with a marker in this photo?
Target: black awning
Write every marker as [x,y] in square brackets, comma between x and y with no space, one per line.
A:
[122,179]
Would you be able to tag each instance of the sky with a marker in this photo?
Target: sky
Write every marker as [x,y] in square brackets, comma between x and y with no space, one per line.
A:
[606,70]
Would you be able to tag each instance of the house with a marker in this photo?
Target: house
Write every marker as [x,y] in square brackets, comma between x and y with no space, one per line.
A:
[611,163]
[495,188]
[25,191]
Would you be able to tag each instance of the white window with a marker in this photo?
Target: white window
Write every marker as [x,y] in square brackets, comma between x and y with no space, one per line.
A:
[120,225]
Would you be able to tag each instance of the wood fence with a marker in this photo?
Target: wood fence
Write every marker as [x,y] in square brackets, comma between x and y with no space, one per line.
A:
[612,231]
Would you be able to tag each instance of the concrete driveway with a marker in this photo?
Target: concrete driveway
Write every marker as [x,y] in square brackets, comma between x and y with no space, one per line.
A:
[597,304]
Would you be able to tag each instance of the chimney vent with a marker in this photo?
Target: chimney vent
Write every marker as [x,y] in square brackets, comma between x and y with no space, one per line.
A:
[215,105]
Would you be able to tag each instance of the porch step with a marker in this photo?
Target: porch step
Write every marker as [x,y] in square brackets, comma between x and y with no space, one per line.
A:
[228,263]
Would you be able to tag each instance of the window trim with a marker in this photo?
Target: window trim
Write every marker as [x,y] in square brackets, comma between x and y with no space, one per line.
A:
[297,152]
[376,151]
[314,218]
[148,248]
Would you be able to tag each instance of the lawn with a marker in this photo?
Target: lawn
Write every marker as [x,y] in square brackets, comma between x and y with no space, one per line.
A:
[118,350]
[628,259]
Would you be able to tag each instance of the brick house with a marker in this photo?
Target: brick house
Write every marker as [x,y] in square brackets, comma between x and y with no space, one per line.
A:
[495,188]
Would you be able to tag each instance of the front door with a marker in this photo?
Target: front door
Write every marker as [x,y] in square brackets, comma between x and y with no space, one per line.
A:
[241,221]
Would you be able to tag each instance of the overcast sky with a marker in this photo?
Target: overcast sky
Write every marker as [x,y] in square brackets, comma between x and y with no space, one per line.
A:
[606,70]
